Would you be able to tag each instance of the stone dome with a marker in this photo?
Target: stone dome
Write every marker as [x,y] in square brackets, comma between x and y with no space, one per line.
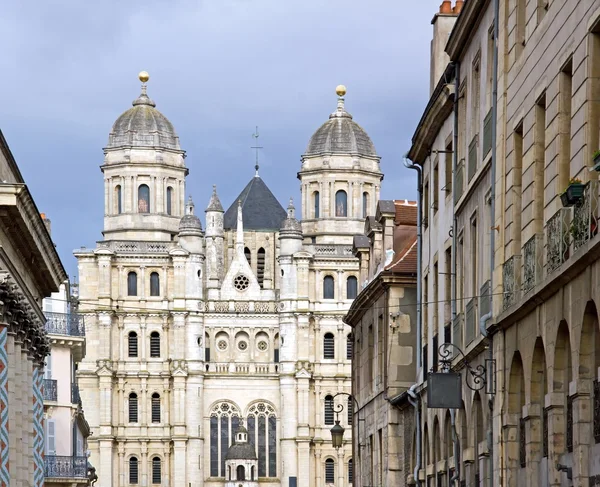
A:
[340,135]
[241,451]
[190,224]
[143,126]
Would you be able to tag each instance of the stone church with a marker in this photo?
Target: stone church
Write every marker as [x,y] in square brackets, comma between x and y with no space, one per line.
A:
[196,334]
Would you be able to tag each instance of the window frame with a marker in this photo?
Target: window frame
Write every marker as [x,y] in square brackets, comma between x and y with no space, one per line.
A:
[329,471]
[341,206]
[329,346]
[132,342]
[155,412]
[132,285]
[328,411]
[155,344]
[326,280]
[134,476]
[154,284]
[316,204]
[156,470]
[349,280]
[141,197]
[169,202]
[133,412]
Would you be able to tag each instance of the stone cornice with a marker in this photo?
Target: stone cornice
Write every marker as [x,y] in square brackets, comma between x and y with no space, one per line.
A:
[464,28]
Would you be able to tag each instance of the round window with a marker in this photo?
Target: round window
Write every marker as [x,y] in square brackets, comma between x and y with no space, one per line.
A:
[241,282]
[243,345]
[222,344]
[262,345]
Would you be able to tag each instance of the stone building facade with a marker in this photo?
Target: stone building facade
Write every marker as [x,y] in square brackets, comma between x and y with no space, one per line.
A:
[383,318]
[193,331]
[30,270]
[523,263]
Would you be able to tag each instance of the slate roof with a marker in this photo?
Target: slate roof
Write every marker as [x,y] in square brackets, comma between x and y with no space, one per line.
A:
[143,126]
[260,208]
[241,451]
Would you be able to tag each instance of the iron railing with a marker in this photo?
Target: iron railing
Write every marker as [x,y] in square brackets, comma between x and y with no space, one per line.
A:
[557,239]
[65,324]
[50,390]
[585,216]
[532,262]
[75,397]
[472,162]
[511,271]
[64,467]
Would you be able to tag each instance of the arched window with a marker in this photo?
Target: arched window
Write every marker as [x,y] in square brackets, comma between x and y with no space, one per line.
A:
[350,471]
[341,203]
[329,471]
[351,287]
[260,266]
[143,199]
[132,344]
[248,255]
[252,473]
[317,204]
[262,432]
[328,412]
[118,200]
[328,346]
[154,284]
[133,470]
[224,421]
[154,344]
[132,284]
[133,408]
[328,288]
[156,471]
[365,202]
[169,200]
[240,473]
[155,407]
[349,340]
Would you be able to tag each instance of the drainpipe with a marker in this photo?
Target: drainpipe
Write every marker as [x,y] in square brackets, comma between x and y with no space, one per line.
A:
[456,475]
[414,401]
[411,165]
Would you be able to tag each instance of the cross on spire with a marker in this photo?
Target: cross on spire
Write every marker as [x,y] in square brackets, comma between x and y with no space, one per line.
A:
[256,148]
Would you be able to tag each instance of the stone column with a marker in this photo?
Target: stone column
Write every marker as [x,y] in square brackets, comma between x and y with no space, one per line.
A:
[143,356]
[145,481]
[341,469]
[289,426]
[106,463]
[555,405]
[304,469]
[532,415]
[179,453]
[581,391]
[134,194]
[106,196]
[4,404]
[16,472]
[122,469]
[351,204]
[12,410]
[122,291]
[318,469]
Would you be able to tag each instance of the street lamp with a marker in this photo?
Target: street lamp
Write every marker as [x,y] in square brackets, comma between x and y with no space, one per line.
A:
[337,435]
[337,432]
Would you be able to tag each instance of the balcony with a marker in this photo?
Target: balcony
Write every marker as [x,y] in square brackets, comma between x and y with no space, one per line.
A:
[511,273]
[50,390]
[585,216]
[460,180]
[70,324]
[557,240]
[59,467]
[75,397]
[532,262]
[242,368]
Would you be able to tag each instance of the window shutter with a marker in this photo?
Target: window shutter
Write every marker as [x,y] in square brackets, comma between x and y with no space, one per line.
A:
[51,437]
[48,370]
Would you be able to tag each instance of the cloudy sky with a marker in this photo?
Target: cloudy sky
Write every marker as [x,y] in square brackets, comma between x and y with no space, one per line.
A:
[218,68]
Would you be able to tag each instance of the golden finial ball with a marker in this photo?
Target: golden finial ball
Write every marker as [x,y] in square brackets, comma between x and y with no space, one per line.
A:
[340,90]
[144,76]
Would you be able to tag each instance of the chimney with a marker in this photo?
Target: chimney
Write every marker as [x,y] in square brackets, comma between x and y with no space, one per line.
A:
[442,22]
[46,222]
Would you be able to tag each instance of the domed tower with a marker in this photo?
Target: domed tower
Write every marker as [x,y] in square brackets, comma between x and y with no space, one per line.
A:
[340,179]
[144,174]
[241,462]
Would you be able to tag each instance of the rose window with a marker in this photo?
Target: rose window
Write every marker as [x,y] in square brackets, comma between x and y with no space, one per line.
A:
[241,282]
[222,344]
[262,346]
[243,345]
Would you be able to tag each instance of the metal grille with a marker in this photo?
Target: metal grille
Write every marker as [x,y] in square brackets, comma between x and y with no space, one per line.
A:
[532,262]
[545,433]
[132,344]
[260,266]
[75,397]
[65,467]
[70,324]
[133,408]
[472,163]
[133,470]
[156,473]
[154,344]
[350,408]
[328,346]
[597,410]
[510,281]
[569,424]
[522,443]
[350,471]
[585,221]
[329,471]
[155,408]
[349,347]
[470,321]
[328,413]
[50,390]
[557,239]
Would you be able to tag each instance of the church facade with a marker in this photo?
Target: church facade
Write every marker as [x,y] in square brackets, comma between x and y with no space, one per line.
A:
[196,333]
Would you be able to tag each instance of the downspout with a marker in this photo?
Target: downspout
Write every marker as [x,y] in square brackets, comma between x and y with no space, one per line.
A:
[414,401]
[453,276]
[411,165]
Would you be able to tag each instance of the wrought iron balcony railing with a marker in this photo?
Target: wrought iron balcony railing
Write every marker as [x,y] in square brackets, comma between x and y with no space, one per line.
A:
[75,398]
[50,390]
[65,324]
[557,239]
[532,262]
[62,467]
[511,273]
[585,216]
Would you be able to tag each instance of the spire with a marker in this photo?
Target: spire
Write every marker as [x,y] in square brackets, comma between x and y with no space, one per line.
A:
[143,99]
[189,208]
[214,204]
[256,148]
[239,237]
[290,226]
[341,108]
[291,210]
